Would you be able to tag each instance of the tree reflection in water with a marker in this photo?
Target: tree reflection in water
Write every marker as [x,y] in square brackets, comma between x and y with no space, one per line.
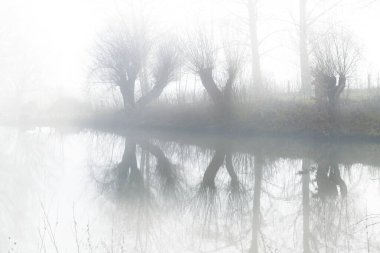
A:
[190,195]
[229,207]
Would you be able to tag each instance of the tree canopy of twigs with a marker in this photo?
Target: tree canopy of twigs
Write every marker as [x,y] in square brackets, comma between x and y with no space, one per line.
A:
[204,55]
[334,55]
[122,54]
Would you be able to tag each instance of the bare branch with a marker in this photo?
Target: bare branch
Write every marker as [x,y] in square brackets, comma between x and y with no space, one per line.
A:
[167,63]
[323,12]
[200,51]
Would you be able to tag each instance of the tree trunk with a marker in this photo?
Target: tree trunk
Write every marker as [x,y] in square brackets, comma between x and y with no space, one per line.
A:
[144,79]
[228,91]
[339,89]
[306,205]
[210,86]
[304,53]
[127,89]
[230,168]
[256,66]
[336,178]
[157,152]
[334,94]
[258,167]
[164,167]
[135,180]
[130,155]
[153,94]
[213,168]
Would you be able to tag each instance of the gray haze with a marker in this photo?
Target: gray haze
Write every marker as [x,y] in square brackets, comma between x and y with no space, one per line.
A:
[171,126]
[46,47]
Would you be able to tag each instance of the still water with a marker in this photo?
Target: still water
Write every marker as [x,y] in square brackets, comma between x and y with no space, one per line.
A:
[90,191]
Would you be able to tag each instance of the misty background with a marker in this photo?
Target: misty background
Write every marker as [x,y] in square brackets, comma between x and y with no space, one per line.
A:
[47,47]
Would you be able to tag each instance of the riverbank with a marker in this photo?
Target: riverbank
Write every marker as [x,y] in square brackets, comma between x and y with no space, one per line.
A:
[354,119]
[295,118]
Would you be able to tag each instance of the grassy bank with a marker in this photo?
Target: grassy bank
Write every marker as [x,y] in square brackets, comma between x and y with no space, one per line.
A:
[295,117]
[282,117]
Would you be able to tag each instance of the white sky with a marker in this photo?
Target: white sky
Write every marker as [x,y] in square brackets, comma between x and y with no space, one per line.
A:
[46,44]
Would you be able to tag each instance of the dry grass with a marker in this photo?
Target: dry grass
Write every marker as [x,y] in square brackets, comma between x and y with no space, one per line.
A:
[296,117]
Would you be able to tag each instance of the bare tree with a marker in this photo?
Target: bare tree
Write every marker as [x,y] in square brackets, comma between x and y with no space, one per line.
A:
[259,162]
[304,54]
[204,55]
[256,64]
[307,19]
[335,57]
[167,61]
[119,58]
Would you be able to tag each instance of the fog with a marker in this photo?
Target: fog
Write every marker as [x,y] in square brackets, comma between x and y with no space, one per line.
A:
[189,126]
[47,46]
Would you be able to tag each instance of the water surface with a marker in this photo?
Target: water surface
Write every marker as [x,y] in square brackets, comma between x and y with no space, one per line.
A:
[90,191]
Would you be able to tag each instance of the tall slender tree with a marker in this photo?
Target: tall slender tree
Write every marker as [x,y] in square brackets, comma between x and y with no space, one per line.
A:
[306,20]
[306,204]
[256,222]
[253,35]
[304,53]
